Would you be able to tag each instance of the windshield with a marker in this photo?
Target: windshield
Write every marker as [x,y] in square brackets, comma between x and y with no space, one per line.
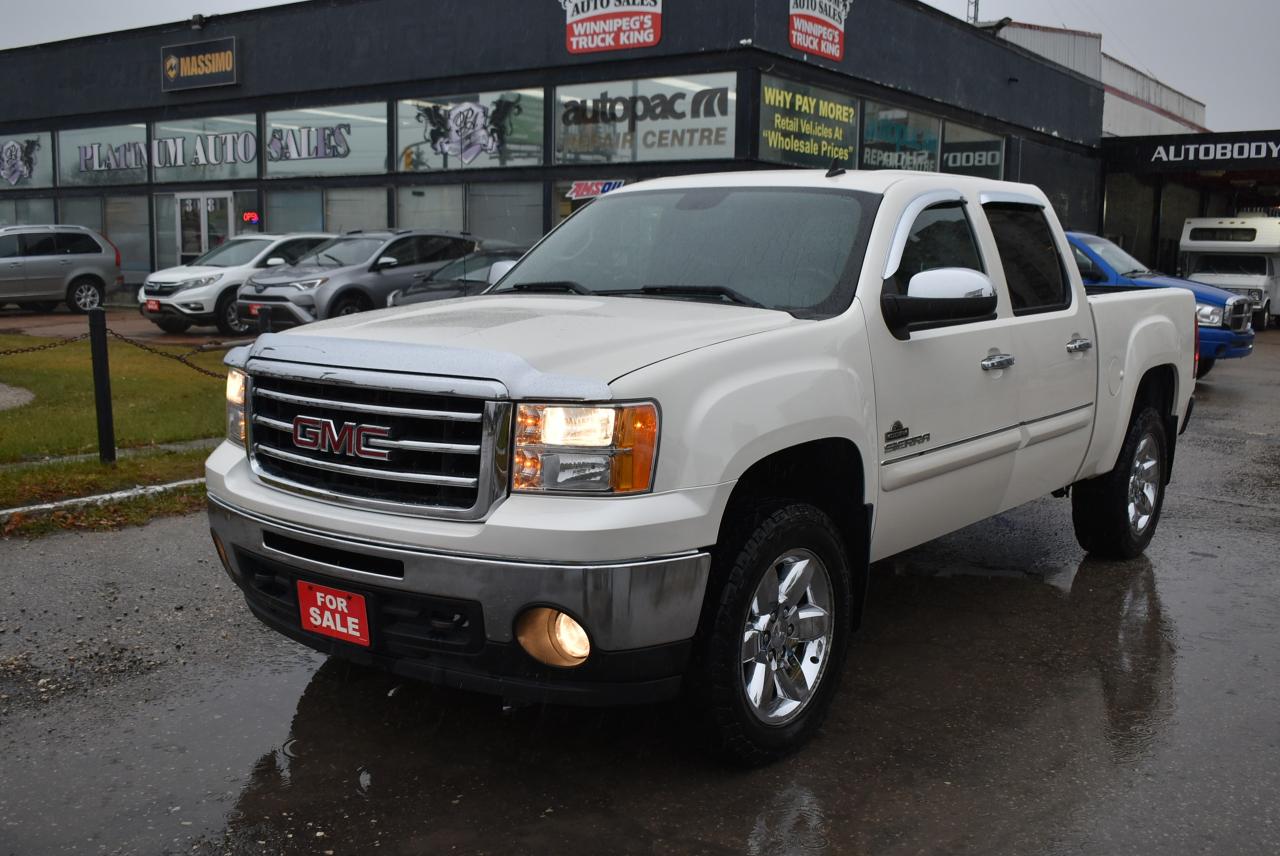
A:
[1230,263]
[1115,257]
[798,250]
[341,252]
[233,253]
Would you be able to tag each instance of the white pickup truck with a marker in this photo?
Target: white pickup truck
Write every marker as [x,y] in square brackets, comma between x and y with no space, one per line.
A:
[661,452]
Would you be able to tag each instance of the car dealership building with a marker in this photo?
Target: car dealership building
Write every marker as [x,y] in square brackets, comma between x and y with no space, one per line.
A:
[500,118]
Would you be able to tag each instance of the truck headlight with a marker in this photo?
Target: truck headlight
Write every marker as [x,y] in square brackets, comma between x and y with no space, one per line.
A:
[1208,316]
[236,380]
[585,448]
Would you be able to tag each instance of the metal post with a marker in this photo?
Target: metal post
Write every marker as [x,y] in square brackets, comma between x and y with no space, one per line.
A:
[102,385]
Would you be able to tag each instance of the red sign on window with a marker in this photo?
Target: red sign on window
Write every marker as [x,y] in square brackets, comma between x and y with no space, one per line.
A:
[591,26]
[817,27]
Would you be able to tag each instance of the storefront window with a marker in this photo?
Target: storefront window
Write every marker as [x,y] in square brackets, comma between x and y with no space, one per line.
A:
[894,138]
[100,156]
[345,140]
[968,151]
[347,208]
[166,235]
[84,211]
[654,119]
[26,160]
[125,223]
[806,125]
[23,212]
[247,217]
[295,211]
[485,129]
[505,212]
[223,147]
[437,207]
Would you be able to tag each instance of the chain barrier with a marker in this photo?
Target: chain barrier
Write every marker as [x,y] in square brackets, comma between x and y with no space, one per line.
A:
[47,346]
[185,358]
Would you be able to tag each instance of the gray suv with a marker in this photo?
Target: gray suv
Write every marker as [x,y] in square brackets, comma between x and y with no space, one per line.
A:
[352,273]
[42,266]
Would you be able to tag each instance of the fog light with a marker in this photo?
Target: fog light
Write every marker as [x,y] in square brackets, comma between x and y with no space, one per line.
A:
[553,637]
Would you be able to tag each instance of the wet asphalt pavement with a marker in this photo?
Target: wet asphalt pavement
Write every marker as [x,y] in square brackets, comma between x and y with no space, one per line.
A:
[1006,695]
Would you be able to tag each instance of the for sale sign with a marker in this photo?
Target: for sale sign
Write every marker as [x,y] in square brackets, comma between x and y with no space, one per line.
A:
[817,27]
[591,26]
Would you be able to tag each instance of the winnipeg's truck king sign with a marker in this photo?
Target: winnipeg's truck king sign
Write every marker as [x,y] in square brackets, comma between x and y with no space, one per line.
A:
[817,27]
[591,26]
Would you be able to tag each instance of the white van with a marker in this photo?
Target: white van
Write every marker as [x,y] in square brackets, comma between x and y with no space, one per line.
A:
[1240,254]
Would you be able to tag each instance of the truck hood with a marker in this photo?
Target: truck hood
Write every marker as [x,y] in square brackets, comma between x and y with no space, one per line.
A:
[569,346]
[1233,280]
[1206,294]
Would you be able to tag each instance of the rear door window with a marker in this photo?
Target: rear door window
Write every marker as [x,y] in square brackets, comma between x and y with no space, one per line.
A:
[1032,265]
[441,249]
[76,243]
[404,251]
[9,247]
[39,244]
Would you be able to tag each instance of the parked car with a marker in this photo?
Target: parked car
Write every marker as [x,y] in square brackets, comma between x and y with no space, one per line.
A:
[42,266]
[662,452]
[1240,254]
[352,273]
[204,291]
[1223,317]
[459,278]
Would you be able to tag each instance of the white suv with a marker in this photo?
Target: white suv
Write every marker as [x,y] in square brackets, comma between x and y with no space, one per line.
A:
[204,292]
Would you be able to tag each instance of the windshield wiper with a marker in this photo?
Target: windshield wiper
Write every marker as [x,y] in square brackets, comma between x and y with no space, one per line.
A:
[553,285]
[339,262]
[699,290]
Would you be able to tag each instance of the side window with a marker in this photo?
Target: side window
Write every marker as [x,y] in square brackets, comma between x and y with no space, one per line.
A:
[76,242]
[39,244]
[8,246]
[291,251]
[1032,265]
[456,248]
[404,251]
[941,237]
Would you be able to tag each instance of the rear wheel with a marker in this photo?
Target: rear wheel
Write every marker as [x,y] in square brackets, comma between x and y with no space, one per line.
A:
[228,318]
[1262,319]
[1206,366]
[84,294]
[169,324]
[770,659]
[1115,515]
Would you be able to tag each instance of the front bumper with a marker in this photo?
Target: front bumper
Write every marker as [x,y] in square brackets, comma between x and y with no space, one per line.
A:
[449,618]
[274,312]
[1218,343]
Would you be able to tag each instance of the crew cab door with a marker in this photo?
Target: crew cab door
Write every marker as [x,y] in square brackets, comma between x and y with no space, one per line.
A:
[947,428]
[1056,368]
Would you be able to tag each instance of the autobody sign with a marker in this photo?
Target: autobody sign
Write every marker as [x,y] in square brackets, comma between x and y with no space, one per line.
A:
[198,64]
[806,125]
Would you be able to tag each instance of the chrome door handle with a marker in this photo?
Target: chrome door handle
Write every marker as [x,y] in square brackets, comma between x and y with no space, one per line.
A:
[1078,346]
[997,361]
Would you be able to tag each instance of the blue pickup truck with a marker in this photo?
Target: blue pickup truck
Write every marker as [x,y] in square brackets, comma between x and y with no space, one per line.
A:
[1224,317]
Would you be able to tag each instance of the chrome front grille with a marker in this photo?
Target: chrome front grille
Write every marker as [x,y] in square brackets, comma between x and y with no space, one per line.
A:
[1238,314]
[159,289]
[435,447]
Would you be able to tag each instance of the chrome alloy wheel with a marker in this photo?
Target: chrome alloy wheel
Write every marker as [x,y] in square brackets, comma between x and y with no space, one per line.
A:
[1144,484]
[234,322]
[86,296]
[787,637]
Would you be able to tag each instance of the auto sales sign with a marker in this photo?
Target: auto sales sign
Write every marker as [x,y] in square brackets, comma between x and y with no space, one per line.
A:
[817,27]
[592,26]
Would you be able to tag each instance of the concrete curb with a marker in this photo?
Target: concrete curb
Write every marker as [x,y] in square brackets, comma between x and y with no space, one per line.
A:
[101,498]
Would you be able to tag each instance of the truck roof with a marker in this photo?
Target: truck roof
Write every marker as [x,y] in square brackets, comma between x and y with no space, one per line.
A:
[871,181]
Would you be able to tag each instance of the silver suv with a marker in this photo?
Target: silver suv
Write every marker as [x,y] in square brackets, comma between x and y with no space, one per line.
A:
[42,266]
[352,273]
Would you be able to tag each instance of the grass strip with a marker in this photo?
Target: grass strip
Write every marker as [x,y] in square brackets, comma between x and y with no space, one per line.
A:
[108,516]
[50,482]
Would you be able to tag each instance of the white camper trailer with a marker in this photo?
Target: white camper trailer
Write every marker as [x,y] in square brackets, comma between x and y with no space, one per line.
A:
[1240,254]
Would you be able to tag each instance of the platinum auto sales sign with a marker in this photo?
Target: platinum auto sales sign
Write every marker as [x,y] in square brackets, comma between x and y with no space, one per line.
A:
[592,26]
[817,27]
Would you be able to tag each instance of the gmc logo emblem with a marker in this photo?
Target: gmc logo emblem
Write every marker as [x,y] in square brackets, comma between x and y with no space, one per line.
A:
[350,438]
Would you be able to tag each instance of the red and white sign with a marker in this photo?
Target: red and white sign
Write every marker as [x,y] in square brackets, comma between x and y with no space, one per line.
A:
[332,612]
[591,26]
[153,305]
[817,27]
[592,189]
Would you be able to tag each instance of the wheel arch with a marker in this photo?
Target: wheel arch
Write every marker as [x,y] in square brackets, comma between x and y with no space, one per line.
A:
[1158,388]
[349,291]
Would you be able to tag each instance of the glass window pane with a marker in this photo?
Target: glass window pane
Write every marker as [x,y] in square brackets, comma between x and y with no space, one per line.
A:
[166,231]
[26,160]
[806,125]
[349,139]
[39,244]
[968,151]
[217,147]
[941,237]
[439,207]
[1032,266]
[25,212]
[127,227]
[245,217]
[9,248]
[295,211]
[77,243]
[85,211]
[894,138]
[506,212]
[480,129]
[96,156]
[347,208]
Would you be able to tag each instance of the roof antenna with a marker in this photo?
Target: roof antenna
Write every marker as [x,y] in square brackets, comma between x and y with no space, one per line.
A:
[836,168]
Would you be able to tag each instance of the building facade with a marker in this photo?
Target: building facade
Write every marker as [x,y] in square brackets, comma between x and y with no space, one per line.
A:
[500,117]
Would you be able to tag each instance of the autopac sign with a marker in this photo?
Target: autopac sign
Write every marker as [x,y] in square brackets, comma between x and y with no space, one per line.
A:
[196,65]
[592,26]
[817,27]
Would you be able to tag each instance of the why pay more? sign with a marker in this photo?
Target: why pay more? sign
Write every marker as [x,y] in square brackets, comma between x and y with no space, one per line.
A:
[806,125]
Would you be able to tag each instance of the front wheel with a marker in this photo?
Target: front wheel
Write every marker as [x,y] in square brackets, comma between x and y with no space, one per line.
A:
[770,661]
[228,317]
[1262,319]
[348,306]
[1115,515]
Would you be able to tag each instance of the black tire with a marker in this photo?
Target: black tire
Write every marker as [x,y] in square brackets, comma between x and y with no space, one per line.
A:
[1105,525]
[228,318]
[349,304]
[1206,366]
[169,324]
[84,293]
[1261,319]
[717,681]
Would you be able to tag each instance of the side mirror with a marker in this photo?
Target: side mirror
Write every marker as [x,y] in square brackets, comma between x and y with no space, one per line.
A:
[275,261]
[939,296]
[386,262]
[499,270]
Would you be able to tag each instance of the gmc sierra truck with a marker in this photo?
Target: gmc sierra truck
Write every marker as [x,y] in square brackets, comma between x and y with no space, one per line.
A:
[659,454]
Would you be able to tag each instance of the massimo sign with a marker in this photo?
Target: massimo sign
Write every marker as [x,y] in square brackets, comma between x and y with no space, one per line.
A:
[196,65]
